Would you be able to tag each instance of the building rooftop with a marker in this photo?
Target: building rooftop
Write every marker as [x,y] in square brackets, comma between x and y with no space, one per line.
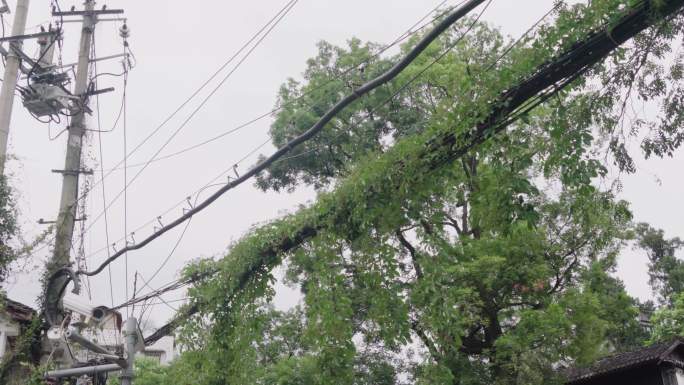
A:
[18,311]
[654,354]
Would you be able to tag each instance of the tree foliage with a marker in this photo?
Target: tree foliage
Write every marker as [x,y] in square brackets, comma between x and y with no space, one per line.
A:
[665,270]
[492,269]
[8,228]
[668,322]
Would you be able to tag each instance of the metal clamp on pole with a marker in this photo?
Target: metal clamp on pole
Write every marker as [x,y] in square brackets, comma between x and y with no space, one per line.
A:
[73,172]
[86,370]
[74,336]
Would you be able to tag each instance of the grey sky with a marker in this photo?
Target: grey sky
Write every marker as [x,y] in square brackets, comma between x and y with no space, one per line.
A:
[178,44]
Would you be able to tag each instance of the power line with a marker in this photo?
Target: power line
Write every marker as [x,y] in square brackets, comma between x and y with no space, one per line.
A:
[383,103]
[125,189]
[177,110]
[408,33]
[206,83]
[197,109]
[414,78]
[147,283]
[173,250]
[311,132]
[101,158]
[525,109]
[171,286]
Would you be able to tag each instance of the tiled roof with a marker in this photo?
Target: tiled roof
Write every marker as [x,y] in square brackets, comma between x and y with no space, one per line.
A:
[18,311]
[623,361]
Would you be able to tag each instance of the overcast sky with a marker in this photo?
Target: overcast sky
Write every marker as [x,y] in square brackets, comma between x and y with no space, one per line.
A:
[178,45]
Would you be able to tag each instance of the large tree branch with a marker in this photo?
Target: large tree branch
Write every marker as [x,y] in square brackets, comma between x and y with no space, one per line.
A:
[412,251]
[425,339]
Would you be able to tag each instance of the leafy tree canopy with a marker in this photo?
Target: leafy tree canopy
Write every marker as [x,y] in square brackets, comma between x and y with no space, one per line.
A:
[491,269]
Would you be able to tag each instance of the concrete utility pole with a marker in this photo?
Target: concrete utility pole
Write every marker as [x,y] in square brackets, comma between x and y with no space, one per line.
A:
[9,81]
[131,335]
[72,165]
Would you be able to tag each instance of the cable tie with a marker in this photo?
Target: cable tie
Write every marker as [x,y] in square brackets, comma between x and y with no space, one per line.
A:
[235,166]
[114,248]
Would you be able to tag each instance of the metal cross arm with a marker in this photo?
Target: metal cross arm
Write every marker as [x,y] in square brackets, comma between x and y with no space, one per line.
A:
[29,36]
[89,13]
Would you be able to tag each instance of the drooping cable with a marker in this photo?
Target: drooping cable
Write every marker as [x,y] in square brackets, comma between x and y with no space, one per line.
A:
[182,234]
[313,131]
[147,284]
[415,77]
[199,107]
[232,58]
[408,33]
[411,31]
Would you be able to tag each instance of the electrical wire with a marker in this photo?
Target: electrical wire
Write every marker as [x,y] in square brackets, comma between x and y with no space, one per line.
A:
[486,69]
[197,109]
[171,286]
[36,64]
[114,126]
[408,33]
[182,234]
[173,250]
[314,130]
[147,283]
[234,56]
[420,73]
[125,190]
[411,31]
[101,158]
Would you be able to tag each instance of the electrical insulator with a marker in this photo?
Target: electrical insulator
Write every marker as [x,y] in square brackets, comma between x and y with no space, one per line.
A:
[124,31]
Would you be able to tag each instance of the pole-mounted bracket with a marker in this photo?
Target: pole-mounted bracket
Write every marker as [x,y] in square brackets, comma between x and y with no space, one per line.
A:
[97,92]
[42,221]
[73,172]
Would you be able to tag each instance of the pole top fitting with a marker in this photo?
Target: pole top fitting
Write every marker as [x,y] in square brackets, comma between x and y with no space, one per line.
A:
[124,31]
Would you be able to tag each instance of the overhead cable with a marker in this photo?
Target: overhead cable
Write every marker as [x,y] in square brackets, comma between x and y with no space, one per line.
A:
[197,109]
[411,31]
[431,36]
[244,47]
